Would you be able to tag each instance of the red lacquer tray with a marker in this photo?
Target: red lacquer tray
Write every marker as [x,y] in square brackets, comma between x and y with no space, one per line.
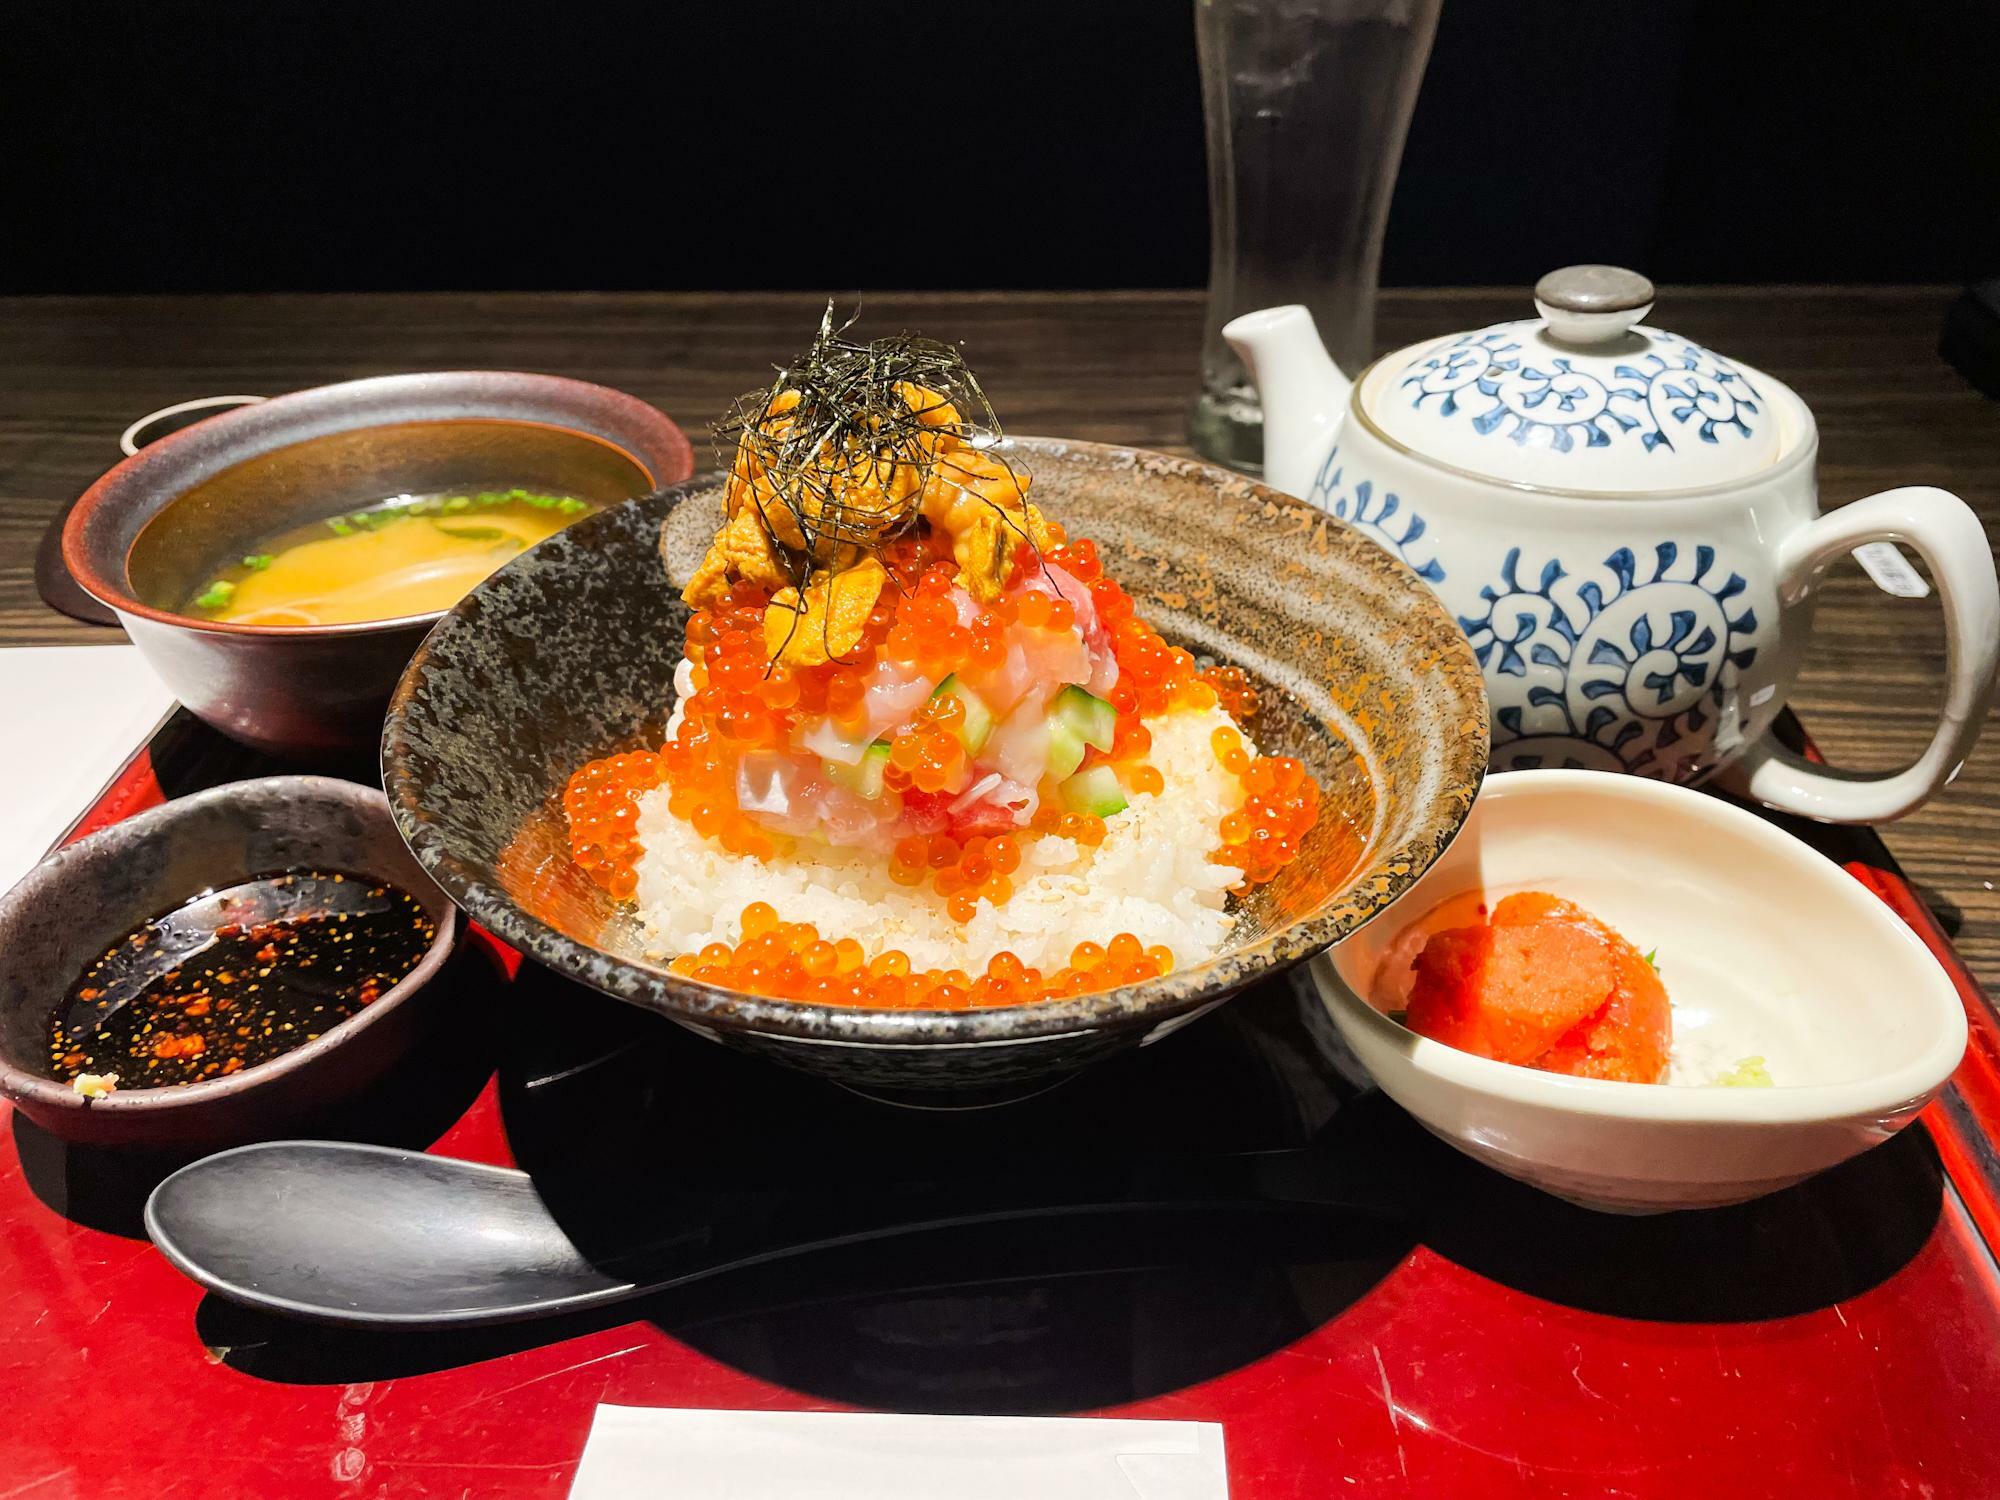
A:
[1471,1338]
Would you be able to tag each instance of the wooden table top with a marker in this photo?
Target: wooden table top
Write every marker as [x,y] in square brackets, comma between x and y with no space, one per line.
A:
[1116,367]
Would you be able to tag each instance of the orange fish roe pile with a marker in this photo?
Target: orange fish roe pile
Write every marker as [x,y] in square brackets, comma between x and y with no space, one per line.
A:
[602,801]
[742,701]
[791,961]
[927,635]
[739,696]
[929,754]
[1234,690]
[1083,828]
[1280,806]
[961,873]
[981,866]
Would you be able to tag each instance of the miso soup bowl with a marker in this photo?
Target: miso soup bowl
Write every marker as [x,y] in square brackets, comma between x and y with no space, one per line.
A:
[1767,948]
[145,536]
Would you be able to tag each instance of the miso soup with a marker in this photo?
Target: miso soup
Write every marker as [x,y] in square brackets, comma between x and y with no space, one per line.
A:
[407,555]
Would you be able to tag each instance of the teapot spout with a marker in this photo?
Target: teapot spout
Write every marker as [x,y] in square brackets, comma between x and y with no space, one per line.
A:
[1303,392]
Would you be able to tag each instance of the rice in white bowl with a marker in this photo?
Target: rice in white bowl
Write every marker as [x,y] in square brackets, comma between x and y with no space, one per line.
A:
[1152,877]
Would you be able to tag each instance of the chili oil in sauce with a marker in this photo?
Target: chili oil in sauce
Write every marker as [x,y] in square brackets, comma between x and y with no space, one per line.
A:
[236,977]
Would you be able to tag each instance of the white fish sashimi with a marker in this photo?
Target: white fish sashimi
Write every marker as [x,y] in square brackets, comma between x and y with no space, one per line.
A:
[891,700]
[1004,686]
[1055,657]
[828,741]
[766,782]
[1102,675]
[979,789]
[1018,799]
[893,696]
[789,795]
[854,821]
[1103,670]
[1019,746]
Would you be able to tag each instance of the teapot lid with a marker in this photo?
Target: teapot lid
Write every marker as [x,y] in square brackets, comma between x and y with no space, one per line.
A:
[1585,397]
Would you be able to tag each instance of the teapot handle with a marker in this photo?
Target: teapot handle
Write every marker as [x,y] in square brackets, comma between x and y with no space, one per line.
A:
[1945,530]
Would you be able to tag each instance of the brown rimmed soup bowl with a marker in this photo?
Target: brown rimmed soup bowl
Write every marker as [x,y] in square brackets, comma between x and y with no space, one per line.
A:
[83,898]
[144,538]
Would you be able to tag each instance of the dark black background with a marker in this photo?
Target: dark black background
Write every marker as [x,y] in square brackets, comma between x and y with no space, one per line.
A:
[204,145]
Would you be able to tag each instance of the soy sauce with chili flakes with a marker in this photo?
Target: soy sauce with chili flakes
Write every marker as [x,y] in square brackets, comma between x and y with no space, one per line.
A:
[236,977]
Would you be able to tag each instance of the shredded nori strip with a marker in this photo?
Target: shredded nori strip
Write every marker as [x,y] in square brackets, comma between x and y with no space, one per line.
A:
[851,422]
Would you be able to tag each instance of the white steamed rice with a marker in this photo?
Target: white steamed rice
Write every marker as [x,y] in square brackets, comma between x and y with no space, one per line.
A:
[1151,876]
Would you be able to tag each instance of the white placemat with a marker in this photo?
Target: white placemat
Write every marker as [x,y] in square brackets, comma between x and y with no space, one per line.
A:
[770,1455]
[70,716]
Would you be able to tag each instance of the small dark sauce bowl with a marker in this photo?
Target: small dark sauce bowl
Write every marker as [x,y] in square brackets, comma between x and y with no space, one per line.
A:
[80,900]
[142,539]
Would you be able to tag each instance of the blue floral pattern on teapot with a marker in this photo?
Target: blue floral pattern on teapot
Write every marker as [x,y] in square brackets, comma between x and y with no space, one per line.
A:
[1615,667]
[1384,517]
[1676,392]
[1626,666]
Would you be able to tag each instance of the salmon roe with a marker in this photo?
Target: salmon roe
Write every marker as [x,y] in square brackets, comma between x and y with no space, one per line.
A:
[928,755]
[1280,806]
[1234,690]
[964,873]
[741,702]
[602,803]
[1153,677]
[791,961]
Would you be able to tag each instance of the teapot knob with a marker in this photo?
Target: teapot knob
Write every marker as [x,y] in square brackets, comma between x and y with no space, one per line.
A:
[1592,304]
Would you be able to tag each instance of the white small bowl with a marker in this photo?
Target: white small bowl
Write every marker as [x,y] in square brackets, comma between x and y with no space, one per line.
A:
[1767,949]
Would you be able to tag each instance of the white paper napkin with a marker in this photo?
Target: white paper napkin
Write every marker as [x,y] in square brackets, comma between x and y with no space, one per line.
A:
[70,716]
[638,1452]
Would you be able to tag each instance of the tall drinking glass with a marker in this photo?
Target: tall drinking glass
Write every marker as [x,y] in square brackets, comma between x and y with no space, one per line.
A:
[1307,103]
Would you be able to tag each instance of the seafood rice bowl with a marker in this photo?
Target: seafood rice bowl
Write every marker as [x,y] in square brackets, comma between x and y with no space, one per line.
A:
[923,753]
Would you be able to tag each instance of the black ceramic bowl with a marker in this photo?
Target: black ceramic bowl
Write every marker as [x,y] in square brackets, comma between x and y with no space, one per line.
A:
[145,536]
[568,654]
[77,902]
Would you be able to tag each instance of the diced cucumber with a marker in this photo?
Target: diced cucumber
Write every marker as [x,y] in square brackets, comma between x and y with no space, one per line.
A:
[978,721]
[1066,747]
[1094,720]
[1095,791]
[864,779]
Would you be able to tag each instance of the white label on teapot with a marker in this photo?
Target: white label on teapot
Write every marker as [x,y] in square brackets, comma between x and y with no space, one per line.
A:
[1884,562]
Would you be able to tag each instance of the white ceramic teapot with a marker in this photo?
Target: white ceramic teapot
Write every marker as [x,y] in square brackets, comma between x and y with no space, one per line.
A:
[1626,527]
